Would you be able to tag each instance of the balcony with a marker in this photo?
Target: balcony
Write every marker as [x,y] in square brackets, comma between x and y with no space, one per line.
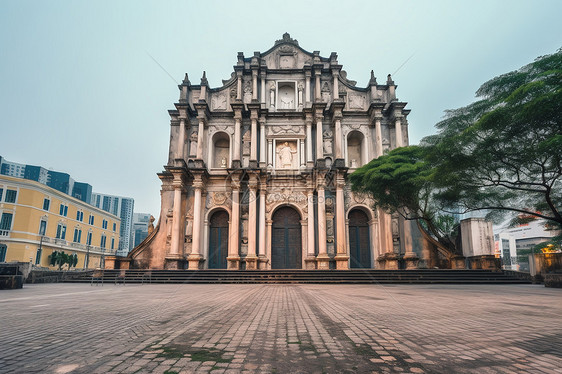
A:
[5,233]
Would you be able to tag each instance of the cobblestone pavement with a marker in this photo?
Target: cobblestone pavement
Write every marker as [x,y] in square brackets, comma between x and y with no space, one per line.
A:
[74,328]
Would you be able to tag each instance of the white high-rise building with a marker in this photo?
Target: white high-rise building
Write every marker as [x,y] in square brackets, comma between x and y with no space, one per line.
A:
[123,208]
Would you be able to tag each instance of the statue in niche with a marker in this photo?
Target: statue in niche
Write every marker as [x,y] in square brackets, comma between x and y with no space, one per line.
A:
[354,163]
[193,143]
[272,94]
[286,155]
[301,88]
[247,92]
[223,162]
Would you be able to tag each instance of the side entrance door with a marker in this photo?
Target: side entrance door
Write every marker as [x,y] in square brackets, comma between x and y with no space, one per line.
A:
[218,242]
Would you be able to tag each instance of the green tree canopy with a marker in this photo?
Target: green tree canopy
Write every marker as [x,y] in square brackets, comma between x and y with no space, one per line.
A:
[504,151]
[501,153]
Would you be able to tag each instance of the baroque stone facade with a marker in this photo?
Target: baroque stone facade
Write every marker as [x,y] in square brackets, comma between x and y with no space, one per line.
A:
[256,176]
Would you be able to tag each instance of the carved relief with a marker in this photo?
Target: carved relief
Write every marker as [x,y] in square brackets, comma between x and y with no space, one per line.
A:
[285,130]
[218,102]
[248,92]
[327,136]
[193,144]
[356,101]
[286,155]
[286,196]
[246,143]
[325,92]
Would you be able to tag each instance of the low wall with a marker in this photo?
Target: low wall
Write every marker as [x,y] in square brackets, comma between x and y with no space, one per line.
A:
[53,276]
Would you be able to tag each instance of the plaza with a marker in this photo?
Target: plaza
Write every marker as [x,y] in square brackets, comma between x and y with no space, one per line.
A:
[256,328]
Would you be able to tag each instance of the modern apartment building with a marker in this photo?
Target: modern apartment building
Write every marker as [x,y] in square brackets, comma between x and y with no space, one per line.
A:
[123,208]
[36,220]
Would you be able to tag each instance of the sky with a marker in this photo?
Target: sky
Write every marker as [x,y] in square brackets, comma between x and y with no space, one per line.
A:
[85,86]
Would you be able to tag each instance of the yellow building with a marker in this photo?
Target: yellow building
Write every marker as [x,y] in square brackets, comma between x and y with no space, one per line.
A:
[36,220]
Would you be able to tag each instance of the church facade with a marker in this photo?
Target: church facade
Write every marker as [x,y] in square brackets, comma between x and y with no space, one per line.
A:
[257,170]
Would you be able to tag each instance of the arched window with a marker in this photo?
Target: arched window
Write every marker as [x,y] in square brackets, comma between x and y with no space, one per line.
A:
[221,151]
[355,149]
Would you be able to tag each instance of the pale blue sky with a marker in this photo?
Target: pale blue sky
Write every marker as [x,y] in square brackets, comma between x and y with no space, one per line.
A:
[79,92]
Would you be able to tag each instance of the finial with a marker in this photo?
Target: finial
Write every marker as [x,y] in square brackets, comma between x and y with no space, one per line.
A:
[373,81]
[186,81]
[389,80]
[204,79]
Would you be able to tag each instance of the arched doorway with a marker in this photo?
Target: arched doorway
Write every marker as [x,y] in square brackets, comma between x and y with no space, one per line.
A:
[218,241]
[359,251]
[286,244]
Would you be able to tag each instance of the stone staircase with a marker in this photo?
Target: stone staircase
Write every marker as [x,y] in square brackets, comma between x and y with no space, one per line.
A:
[367,276]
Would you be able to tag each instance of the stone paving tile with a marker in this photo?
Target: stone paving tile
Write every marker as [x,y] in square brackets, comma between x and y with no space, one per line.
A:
[73,328]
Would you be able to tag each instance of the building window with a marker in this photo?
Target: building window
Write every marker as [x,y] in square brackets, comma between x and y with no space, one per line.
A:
[79,216]
[104,224]
[102,241]
[38,256]
[77,236]
[46,204]
[112,243]
[42,227]
[89,238]
[61,231]
[11,196]
[3,250]
[91,220]
[114,226]
[63,210]
[6,223]
[1,193]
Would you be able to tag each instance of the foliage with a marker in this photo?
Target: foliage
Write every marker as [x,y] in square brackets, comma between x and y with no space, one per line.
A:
[403,181]
[60,258]
[500,153]
[503,152]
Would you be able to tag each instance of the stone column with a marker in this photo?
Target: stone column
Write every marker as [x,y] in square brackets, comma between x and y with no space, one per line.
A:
[378,137]
[254,137]
[336,85]
[268,224]
[181,140]
[270,153]
[399,136]
[254,85]
[237,119]
[261,246]
[410,257]
[309,160]
[251,258]
[375,242]
[317,89]
[262,143]
[319,138]
[195,257]
[339,138]
[262,96]
[233,258]
[239,86]
[307,86]
[310,259]
[200,136]
[302,155]
[323,260]
[175,258]
[342,257]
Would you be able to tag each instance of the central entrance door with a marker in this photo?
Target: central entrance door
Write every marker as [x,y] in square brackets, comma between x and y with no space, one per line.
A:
[218,243]
[286,243]
[359,251]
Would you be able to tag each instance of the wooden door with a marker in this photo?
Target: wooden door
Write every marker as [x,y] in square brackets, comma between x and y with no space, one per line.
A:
[359,249]
[218,242]
[286,243]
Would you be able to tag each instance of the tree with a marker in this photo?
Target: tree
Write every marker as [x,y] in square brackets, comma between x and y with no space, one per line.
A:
[60,258]
[402,181]
[503,152]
